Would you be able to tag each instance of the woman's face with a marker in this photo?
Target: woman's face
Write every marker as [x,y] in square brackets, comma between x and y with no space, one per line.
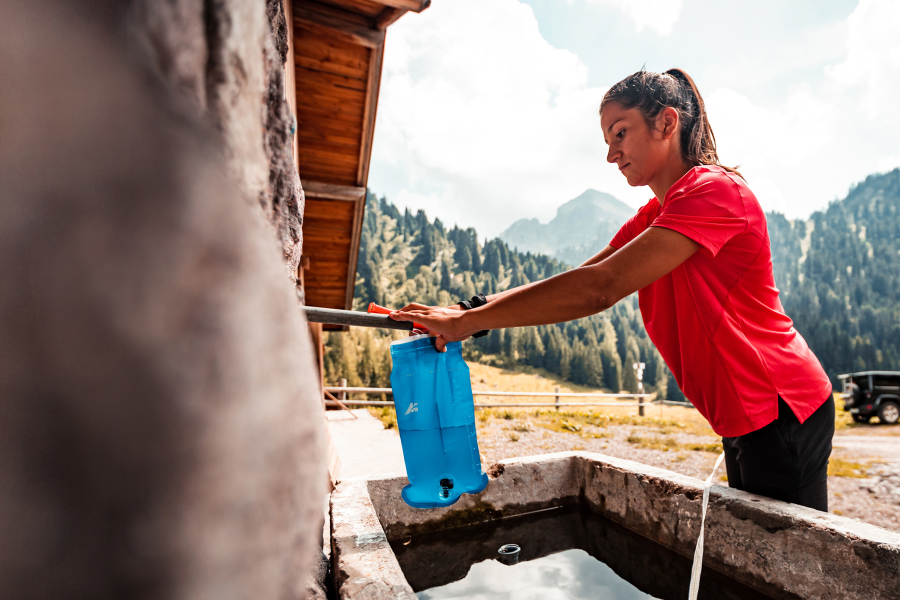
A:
[639,151]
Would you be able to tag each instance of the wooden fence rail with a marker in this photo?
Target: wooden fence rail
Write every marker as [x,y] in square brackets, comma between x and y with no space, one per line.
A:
[371,390]
[556,395]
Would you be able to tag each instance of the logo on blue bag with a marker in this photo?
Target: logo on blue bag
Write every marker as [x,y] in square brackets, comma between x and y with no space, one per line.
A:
[414,407]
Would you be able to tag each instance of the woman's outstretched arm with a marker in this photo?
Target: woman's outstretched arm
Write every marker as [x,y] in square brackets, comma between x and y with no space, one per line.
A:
[600,256]
[574,294]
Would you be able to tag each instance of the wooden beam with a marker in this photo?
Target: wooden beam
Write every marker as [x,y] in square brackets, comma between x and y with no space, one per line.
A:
[354,252]
[413,5]
[331,191]
[369,111]
[339,23]
[388,17]
[339,403]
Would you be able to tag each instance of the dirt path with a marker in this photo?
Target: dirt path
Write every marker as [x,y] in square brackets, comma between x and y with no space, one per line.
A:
[881,446]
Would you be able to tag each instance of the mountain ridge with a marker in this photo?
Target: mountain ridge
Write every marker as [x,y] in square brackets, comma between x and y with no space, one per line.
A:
[581,227]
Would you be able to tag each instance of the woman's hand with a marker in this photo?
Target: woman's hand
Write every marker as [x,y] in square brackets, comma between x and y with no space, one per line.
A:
[445,321]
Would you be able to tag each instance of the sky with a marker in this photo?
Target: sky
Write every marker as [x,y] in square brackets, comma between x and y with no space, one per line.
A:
[488,109]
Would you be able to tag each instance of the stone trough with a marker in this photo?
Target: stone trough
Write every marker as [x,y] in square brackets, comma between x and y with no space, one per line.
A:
[782,550]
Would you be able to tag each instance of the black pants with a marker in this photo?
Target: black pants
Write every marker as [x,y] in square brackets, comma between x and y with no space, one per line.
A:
[785,460]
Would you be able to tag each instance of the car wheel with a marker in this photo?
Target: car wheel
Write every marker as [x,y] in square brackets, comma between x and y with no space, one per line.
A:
[861,419]
[889,412]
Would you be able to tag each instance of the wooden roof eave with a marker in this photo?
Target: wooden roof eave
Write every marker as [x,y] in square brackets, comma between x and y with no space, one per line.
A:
[336,104]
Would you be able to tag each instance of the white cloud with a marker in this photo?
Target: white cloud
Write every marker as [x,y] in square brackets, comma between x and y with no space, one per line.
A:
[484,119]
[873,60]
[808,149]
[658,15]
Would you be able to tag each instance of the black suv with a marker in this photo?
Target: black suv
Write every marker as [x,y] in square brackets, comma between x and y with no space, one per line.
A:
[871,393]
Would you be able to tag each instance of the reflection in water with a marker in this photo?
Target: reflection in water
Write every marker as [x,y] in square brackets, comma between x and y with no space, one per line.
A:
[568,575]
[565,553]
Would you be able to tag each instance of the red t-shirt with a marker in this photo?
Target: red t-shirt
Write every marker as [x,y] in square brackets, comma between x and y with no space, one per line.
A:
[716,318]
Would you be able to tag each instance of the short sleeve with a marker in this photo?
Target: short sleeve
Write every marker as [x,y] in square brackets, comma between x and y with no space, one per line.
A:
[706,206]
[634,226]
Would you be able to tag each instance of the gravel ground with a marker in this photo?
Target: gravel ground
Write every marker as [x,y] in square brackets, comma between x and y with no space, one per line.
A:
[873,493]
[870,455]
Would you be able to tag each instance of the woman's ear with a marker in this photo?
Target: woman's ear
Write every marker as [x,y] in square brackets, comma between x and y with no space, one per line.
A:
[668,122]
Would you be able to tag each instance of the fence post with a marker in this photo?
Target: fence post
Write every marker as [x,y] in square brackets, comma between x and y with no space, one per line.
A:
[343,396]
[557,399]
[639,371]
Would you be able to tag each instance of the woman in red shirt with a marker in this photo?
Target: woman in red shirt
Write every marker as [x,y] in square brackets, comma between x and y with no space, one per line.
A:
[698,254]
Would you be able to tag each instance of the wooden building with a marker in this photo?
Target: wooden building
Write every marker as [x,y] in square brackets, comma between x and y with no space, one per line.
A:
[337,48]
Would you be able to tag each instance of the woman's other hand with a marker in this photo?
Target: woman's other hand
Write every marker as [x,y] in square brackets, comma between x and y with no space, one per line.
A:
[444,321]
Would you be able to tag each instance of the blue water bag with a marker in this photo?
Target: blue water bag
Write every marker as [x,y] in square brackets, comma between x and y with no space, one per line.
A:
[436,418]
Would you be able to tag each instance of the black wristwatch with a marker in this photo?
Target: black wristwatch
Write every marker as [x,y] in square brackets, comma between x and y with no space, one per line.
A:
[476,301]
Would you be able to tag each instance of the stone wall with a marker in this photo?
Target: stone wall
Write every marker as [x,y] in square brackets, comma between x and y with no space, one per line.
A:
[160,430]
[223,61]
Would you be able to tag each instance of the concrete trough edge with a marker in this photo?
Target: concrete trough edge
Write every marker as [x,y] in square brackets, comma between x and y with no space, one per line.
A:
[784,550]
[363,565]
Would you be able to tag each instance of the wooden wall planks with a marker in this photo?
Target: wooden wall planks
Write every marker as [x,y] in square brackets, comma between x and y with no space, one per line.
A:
[328,235]
[332,78]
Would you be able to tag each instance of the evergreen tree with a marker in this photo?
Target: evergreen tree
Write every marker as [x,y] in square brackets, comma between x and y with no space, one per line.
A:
[578,365]
[673,391]
[475,249]
[446,281]
[426,252]
[629,377]
[495,341]
[594,365]
[463,258]
[492,261]
[661,380]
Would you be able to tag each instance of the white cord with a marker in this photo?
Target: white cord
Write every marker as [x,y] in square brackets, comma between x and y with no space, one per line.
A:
[698,552]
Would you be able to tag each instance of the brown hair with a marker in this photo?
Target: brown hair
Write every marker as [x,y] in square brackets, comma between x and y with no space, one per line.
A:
[651,92]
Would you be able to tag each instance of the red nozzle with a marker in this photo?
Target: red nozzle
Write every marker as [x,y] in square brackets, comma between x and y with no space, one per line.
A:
[380,310]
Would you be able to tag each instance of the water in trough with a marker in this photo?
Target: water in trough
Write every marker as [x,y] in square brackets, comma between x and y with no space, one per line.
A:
[566,553]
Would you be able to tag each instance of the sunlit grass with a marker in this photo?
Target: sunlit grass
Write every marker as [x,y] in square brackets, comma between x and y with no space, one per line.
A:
[386,414]
[838,467]
[667,444]
[842,419]
[715,448]
[523,426]
[653,443]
